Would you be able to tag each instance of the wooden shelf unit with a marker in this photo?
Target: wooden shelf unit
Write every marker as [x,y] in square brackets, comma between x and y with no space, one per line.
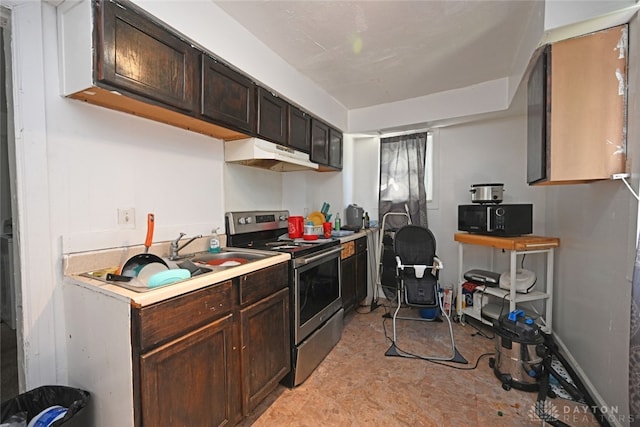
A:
[516,246]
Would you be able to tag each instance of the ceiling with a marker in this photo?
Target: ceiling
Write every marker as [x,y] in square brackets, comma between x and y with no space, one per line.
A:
[366,53]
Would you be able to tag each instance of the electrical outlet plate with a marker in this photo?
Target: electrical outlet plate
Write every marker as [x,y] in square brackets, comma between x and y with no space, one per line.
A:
[619,175]
[127,217]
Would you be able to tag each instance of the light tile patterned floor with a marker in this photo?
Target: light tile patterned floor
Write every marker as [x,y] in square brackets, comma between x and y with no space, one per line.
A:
[357,385]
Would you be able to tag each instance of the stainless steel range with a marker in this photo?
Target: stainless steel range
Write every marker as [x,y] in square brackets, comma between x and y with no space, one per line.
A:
[314,282]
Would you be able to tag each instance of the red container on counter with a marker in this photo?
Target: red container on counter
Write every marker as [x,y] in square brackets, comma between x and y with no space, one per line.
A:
[326,229]
[296,227]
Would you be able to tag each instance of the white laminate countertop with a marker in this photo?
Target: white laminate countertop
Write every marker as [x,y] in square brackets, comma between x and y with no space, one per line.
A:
[362,233]
[77,264]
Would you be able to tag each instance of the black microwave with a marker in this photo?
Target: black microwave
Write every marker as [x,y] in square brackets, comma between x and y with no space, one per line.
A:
[498,220]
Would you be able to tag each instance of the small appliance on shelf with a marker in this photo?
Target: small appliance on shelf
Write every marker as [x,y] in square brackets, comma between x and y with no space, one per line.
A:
[498,220]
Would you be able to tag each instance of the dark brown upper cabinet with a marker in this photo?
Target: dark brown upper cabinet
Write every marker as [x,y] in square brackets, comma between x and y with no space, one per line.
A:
[228,97]
[537,117]
[140,56]
[576,114]
[128,60]
[299,129]
[335,148]
[326,146]
[319,142]
[272,117]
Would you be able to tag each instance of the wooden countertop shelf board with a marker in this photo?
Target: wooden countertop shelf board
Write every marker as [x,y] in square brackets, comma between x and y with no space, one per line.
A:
[519,243]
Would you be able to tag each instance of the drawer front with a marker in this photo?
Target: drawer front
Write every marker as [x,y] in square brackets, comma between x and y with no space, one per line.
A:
[161,322]
[259,284]
[361,244]
[348,249]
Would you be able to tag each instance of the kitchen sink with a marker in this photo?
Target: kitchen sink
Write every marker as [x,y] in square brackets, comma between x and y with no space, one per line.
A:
[197,264]
[194,269]
[229,258]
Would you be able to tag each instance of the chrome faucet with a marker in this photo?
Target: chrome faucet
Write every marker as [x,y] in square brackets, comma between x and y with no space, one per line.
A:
[175,248]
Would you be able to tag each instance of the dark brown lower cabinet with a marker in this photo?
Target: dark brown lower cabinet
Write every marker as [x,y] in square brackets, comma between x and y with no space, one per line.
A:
[362,271]
[354,273]
[208,357]
[192,381]
[265,347]
[348,278]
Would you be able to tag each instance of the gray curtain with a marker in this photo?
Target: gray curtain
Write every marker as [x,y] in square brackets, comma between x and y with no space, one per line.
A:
[634,346]
[402,172]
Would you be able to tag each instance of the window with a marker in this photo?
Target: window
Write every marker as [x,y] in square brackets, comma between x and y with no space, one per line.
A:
[406,175]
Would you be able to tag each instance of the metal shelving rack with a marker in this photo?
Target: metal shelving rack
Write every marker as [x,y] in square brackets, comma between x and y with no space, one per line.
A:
[516,246]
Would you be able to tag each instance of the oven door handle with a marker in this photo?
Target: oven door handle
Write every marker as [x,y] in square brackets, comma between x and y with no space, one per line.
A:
[307,260]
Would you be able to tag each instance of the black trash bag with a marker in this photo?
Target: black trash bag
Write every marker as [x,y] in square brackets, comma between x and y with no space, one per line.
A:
[39,399]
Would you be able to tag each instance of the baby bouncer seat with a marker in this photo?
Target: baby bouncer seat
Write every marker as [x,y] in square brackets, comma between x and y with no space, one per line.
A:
[417,285]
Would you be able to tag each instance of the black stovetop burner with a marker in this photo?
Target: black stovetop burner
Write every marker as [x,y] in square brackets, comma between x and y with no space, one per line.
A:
[267,230]
[279,244]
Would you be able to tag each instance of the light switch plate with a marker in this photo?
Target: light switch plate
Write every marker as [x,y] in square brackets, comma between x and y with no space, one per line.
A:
[127,217]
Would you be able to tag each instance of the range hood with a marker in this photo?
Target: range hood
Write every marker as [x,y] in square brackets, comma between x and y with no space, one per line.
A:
[263,154]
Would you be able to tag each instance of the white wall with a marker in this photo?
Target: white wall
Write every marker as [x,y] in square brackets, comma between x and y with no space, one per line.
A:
[484,152]
[366,173]
[597,225]
[77,164]
[559,13]
[248,188]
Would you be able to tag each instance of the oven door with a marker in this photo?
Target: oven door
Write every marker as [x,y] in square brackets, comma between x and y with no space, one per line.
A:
[316,291]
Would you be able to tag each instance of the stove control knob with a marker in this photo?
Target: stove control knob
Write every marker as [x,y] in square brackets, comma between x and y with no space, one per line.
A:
[283,218]
[249,220]
[242,220]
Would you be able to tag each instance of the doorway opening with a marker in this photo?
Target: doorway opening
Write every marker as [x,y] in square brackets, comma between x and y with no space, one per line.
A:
[9,285]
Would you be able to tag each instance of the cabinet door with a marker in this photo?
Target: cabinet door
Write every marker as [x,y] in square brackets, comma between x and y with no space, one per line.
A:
[348,280]
[272,117]
[299,130]
[335,148]
[319,142]
[361,277]
[192,381]
[228,97]
[142,57]
[537,119]
[585,106]
[265,347]
[587,118]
